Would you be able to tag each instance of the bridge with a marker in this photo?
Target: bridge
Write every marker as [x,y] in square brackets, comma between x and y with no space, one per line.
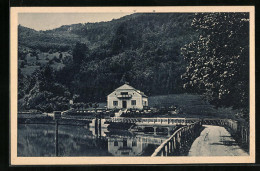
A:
[193,139]
[189,137]
[149,121]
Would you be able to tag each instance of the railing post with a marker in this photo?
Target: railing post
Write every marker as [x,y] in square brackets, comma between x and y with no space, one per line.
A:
[171,146]
[167,149]
[56,138]
[154,131]
[174,143]
[164,152]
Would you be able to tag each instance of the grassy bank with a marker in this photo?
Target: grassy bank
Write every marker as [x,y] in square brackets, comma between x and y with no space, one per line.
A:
[191,106]
[45,119]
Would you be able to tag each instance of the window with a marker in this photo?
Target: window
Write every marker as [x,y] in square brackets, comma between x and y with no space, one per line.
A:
[133,102]
[134,143]
[115,103]
[115,143]
[124,93]
[124,142]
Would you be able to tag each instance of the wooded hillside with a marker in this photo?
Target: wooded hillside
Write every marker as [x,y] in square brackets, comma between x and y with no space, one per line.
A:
[162,53]
[91,60]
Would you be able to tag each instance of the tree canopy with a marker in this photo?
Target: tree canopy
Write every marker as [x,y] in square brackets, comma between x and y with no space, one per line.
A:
[91,60]
[79,52]
[218,62]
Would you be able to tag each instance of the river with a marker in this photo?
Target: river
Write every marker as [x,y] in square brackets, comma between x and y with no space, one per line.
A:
[42,140]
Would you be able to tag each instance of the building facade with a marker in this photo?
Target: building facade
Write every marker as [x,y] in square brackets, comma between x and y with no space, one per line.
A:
[126,97]
[125,146]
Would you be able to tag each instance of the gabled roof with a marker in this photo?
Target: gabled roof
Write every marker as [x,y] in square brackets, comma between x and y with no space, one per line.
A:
[125,87]
[128,87]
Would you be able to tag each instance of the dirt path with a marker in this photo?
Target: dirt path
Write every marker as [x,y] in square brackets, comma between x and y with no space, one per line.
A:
[215,141]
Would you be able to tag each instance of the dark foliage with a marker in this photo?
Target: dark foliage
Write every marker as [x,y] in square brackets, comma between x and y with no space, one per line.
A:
[143,49]
[218,63]
[79,53]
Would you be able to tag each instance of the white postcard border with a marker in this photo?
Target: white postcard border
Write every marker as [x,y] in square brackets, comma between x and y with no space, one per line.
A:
[14,160]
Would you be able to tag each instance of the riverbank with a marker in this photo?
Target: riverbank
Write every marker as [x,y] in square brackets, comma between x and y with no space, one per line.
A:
[47,119]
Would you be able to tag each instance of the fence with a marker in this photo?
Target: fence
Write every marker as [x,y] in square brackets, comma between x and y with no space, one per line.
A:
[180,142]
[177,121]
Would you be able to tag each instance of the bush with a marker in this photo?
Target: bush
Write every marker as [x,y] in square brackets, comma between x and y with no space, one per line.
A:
[22,64]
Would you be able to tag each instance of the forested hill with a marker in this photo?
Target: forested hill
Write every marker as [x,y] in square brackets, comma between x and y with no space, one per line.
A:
[90,60]
[136,28]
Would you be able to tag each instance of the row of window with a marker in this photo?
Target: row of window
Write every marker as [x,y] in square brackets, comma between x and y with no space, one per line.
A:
[134,143]
[133,103]
[124,93]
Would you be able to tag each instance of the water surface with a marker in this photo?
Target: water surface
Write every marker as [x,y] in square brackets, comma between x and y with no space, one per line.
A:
[42,140]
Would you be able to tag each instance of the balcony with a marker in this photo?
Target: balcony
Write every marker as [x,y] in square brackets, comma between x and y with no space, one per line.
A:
[127,96]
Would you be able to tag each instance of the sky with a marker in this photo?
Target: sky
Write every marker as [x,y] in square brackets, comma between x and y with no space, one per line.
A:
[47,21]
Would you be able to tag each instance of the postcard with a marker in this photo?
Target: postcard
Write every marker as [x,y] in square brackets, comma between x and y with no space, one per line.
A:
[132,85]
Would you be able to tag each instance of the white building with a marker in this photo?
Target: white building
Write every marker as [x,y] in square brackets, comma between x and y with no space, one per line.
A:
[126,146]
[126,97]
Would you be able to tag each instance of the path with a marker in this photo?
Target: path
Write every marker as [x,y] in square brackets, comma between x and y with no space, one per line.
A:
[215,141]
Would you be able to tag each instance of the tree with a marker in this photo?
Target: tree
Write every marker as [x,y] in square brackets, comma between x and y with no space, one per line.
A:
[21,55]
[45,78]
[79,52]
[218,62]
[60,56]
[51,62]
[22,64]
[21,86]
[120,38]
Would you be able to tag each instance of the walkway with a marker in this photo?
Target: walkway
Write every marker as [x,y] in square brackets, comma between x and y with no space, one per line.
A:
[215,141]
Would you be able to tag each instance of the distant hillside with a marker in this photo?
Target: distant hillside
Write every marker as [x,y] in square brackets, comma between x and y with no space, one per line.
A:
[170,26]
[143,49]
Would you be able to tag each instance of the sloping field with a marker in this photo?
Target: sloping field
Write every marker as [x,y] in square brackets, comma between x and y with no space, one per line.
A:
[190,105]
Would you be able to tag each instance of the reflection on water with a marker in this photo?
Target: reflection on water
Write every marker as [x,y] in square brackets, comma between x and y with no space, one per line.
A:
[41,140]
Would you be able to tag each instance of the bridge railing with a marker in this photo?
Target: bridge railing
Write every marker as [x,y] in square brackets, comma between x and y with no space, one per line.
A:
[124,120]
[240,131]
[78,117]
[180,142]
[177,121]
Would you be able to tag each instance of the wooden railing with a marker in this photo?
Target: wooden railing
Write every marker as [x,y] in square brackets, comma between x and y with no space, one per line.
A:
[90,118]
[180,142]
[177,121]
[123,120]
